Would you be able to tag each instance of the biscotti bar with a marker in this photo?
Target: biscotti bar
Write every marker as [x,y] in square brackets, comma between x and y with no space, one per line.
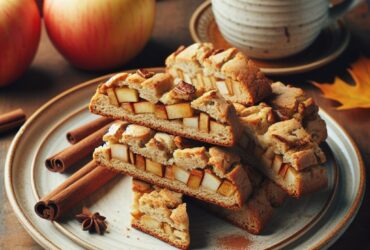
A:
[228,71]
[291,102]
[283,149]
[209,173]
[160,213]
[173,106]
[284,156]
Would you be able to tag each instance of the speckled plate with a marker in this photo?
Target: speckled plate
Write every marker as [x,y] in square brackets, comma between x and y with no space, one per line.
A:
[314,221]
[332,41]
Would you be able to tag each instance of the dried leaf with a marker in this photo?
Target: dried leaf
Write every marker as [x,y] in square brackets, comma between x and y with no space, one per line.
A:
[350,96]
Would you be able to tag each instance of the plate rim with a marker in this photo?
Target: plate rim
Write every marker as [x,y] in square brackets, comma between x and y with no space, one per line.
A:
[45,242]
[277,71]
[356,205]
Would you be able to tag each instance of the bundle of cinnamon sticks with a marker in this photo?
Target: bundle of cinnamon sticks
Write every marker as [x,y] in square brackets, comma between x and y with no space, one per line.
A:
[81,147]
[75,189]
[82,183]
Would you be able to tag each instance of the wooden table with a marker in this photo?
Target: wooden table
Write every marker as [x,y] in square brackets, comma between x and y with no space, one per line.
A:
[50,74]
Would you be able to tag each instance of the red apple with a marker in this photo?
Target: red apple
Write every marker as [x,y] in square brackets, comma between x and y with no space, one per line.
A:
[96,34]
[20,28]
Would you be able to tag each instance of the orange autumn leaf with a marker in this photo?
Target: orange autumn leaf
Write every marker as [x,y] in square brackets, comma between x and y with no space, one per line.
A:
[350,96]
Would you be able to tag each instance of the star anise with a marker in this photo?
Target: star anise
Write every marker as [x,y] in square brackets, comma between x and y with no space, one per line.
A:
[92,222]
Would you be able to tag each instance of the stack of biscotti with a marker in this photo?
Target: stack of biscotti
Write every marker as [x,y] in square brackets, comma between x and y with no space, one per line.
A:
[209,173]
[284,133]
[194,129]
[212,174]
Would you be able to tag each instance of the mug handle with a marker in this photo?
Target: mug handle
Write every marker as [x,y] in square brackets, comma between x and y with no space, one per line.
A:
[340,9]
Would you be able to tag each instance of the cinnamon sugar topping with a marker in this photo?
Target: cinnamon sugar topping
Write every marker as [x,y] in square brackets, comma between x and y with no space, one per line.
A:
[233,242]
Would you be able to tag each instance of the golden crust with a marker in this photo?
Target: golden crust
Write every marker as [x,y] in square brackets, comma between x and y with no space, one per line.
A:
[290,139]
[153,88]
[244,70]
[191,158]
[295,183]
[217,107]
[217,60]
[287,138]
[290,102]
[316,127]
[136,134]
[221,160]
[239,177]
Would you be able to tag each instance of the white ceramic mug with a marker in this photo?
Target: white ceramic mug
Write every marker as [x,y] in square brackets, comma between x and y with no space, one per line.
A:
[271,29]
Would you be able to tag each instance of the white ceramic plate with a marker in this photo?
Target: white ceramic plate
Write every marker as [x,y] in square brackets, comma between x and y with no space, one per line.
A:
[314,221]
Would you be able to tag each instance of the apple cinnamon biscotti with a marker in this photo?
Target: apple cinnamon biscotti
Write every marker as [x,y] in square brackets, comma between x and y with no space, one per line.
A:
[160,213]
[173,106]
[229,71]
[291,102]
[283,149]
[209,173]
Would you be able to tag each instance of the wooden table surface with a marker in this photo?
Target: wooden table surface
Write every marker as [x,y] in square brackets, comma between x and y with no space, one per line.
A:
[50,74]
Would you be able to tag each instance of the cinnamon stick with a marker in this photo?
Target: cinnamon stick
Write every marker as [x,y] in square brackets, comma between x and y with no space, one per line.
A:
[12,119]
[72,191]
[75,153]
[77,134]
